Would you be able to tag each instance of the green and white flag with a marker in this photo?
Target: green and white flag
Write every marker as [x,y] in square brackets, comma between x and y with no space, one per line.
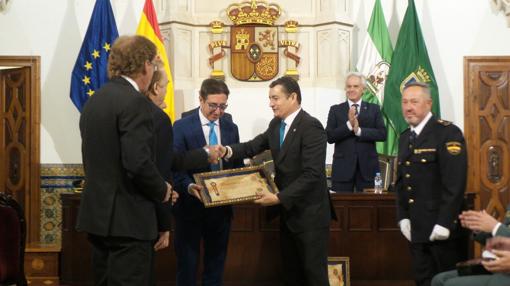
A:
[374,63]
[410,64]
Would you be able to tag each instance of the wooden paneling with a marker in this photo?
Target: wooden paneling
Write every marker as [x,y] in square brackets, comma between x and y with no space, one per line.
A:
[19,136]
[366,232]
[487,131]
[42,264]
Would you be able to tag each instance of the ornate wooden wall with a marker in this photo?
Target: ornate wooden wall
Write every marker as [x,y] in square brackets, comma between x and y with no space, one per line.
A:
[487,130]
[19,136]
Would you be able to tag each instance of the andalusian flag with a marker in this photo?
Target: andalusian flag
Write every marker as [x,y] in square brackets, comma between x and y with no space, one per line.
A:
[374,64]
[149,28]
[410,64]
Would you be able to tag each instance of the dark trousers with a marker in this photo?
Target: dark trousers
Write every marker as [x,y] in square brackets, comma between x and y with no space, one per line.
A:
[214,230]
[305,257]
[432,258]
[356,183]
[122,261]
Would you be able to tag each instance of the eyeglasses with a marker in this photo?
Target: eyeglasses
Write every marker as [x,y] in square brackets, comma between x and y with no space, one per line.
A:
[214,106]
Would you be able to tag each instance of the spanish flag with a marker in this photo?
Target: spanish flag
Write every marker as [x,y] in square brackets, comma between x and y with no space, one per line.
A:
[149,28]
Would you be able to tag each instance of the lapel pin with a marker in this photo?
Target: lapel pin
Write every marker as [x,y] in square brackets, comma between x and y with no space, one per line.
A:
[294,130]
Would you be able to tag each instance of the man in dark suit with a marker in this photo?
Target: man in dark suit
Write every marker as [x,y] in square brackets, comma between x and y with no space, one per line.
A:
[122,183]
[225,115]
[354,126]
[167,161]
[193,222]
[431,179]
[298,145]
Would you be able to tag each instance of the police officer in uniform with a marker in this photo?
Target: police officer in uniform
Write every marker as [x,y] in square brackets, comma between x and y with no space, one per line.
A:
[431,178]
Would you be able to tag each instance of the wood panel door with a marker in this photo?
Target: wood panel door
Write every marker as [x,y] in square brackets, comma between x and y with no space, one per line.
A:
[19,136]
[487,131]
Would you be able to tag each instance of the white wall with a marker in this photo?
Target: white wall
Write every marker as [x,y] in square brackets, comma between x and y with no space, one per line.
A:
[54,30]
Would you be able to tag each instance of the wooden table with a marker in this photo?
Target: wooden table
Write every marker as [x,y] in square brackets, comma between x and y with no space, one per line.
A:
[366,232]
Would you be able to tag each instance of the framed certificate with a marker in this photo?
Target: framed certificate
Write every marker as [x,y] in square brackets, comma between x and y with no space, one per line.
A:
[235,185]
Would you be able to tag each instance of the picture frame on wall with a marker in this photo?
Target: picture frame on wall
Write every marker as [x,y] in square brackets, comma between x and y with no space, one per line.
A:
[338,271]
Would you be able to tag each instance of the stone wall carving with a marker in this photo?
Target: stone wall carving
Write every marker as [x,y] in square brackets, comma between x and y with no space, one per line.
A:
[504,6]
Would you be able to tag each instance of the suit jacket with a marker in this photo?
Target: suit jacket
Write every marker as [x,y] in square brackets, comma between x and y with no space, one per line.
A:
[299,170]
[226,115]
[351,149]
[189,135]
[122,182]
[168,161]
[431,179]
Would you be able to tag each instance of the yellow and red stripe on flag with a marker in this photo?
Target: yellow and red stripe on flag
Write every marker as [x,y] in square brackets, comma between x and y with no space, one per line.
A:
[149,28]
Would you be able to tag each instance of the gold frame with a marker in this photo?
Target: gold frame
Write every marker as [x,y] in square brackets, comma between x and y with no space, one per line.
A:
[201,178]
[344,261]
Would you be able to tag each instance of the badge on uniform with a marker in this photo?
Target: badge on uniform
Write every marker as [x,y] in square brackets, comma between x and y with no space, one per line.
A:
[428,150]
[454,147]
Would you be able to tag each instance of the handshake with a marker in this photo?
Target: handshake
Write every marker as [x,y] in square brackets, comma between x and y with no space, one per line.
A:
[215,153]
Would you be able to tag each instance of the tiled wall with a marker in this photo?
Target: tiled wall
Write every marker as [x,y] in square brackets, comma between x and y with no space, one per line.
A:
[55,179]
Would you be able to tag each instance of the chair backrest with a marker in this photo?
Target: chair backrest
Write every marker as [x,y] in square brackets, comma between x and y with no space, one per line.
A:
[388,169]
[265,159]
[12,241]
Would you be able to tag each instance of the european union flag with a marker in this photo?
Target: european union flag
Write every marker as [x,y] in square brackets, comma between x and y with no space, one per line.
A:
[90,69]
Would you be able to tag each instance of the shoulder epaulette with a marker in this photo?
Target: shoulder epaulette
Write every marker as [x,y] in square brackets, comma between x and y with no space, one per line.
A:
[444,122]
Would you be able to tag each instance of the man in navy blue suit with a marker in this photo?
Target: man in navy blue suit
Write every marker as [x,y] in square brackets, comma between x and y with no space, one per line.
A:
[354,126]
[193,222]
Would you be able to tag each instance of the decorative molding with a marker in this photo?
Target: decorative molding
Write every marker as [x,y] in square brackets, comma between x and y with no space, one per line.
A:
[3,4]
[503,5]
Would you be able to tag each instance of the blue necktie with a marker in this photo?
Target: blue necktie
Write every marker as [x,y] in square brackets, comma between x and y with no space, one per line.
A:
[213,140]
[282,132]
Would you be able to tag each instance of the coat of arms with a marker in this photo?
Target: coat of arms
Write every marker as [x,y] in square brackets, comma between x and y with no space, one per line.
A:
[254,42]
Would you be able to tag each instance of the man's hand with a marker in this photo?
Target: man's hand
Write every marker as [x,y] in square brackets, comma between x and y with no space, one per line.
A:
[168,194]
[215,152]
[477,221]
[439,233]
[194,190]
[175,196]
[405,228]
[355,127]
[163,241]
[499,265]
[499,243]
[267,199]
[352,115]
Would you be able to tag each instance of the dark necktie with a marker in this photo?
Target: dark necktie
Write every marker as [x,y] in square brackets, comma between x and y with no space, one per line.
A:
[412,139]
[213,140]
[356,108]
[282,132]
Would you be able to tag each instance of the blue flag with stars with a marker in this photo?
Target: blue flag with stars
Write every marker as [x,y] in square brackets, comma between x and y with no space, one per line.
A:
[90,69]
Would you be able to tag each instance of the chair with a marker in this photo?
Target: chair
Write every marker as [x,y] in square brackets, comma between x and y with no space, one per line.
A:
[265,159]
[387,165]
[12,242]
